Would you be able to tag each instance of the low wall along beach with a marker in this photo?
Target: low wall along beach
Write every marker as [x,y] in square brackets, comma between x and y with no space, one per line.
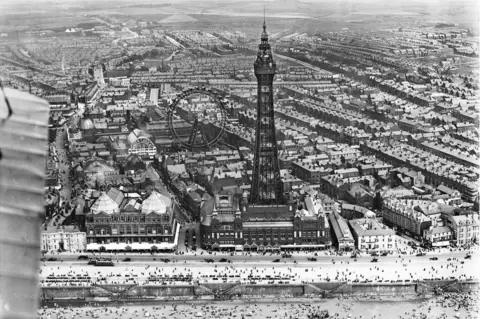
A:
[126,293]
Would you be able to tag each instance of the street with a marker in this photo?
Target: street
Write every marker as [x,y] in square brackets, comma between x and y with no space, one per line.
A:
[298,268]
[64,170]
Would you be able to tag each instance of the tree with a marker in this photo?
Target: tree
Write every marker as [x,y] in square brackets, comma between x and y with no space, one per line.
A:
[128,248]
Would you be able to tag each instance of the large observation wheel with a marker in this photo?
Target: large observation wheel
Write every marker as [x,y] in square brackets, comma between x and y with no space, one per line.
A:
[197,118]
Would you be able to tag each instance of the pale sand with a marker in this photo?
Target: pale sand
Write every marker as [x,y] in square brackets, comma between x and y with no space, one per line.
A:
[276,309]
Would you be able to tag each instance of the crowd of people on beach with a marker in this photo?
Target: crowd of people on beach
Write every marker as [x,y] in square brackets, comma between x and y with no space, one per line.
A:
[448,306]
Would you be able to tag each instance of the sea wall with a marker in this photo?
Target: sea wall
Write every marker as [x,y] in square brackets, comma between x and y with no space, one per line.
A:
[236,290]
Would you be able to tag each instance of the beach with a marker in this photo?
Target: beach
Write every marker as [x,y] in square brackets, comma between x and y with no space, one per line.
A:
[459,305]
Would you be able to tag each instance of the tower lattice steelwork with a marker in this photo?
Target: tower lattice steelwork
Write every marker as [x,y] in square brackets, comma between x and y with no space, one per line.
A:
[267,186]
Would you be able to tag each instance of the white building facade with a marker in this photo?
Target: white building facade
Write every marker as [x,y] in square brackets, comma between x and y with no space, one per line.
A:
[63,238]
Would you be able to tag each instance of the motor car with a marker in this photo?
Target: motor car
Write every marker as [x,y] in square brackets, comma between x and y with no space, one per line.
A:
[276,260]
[286,256]
[312,259]
[468,256]
[433,258]
[92,262]
[165,260]
[194,248]
[209,260]
[83,257]
[374,254]
[127,259]
[420,254]
[374,260]
[52,259]
[223,260]
[385,253]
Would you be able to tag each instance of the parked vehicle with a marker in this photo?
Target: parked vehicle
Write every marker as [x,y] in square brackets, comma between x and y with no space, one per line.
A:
[223,260]
[433,258]
[104,263]
[209,260]
[52,259]
[312,259]
[276,260]
[83,257]
[374,260]
[385,253]
[127,259]
[420,254]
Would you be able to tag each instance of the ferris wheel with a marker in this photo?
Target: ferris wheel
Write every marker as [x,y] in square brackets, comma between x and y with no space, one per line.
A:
[197,118]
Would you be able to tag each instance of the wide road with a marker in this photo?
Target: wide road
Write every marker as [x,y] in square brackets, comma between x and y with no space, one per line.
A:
[147,258]
[297,268]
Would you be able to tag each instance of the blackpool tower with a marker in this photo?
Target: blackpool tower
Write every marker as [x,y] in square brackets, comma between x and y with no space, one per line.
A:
[266,186]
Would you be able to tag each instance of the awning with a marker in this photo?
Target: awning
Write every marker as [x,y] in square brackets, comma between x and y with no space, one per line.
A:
[134,246]
[441,243]
[226,246]
[238,247]
[302,246]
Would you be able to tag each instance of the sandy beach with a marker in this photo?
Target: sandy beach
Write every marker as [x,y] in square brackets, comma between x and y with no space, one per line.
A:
[449,306]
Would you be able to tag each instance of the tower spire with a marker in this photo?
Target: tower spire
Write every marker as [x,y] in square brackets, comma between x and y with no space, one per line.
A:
[264,23]
[267,187]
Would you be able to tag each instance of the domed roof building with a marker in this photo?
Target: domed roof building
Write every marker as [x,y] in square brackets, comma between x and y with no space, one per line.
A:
[86,124]
[104,204]
[140,143]
[156,203]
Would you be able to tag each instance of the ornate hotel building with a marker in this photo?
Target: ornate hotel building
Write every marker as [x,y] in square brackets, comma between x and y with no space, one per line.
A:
[118,220]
